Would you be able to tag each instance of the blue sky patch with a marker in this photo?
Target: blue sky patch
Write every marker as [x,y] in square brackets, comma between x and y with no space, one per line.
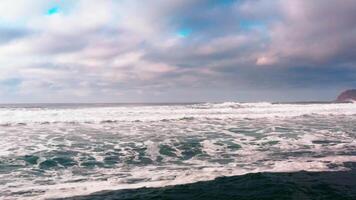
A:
[185,32]
[248,24]
[53,10]
[11,82]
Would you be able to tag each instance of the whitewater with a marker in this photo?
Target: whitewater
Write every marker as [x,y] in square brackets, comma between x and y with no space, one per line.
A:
[54,151]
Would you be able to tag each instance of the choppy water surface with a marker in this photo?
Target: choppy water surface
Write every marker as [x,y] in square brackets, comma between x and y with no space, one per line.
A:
[49,151]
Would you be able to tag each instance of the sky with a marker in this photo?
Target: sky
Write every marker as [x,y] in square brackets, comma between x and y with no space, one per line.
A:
[62,51]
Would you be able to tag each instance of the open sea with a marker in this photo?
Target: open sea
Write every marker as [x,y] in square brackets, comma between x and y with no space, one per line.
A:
[50,151]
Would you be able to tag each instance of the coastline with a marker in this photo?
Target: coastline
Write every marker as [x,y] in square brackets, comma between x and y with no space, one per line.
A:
[333,185]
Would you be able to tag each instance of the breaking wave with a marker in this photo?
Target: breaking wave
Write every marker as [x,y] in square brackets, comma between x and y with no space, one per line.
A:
[49,152]
[227,110]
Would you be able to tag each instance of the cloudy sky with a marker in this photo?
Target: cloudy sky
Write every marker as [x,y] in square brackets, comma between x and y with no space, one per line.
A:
[176,50]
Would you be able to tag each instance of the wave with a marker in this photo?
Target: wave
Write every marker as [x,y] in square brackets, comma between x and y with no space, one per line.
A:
[73,189]
[106,148]
[227,110]
[267,185]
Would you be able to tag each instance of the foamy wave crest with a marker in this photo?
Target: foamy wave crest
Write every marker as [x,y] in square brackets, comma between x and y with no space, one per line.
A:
[227,110]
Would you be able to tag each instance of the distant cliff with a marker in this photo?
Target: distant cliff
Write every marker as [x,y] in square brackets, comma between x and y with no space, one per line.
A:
[346,96]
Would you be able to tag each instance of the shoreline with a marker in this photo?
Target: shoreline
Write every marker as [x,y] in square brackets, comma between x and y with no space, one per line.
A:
[339,185]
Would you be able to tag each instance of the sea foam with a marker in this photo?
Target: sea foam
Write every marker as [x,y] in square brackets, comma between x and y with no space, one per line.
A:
[49,152]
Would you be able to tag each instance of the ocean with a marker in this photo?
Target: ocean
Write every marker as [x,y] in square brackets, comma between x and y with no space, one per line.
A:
[53,151]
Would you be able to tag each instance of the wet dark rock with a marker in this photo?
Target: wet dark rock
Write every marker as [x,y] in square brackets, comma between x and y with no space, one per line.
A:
[347,96]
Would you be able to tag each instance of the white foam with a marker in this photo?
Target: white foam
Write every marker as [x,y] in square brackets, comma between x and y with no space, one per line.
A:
[183,177]
[273,137]
[157,113]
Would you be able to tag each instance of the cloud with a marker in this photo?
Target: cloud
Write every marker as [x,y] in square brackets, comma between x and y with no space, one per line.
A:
[158,50]
[266,60]
[314,32]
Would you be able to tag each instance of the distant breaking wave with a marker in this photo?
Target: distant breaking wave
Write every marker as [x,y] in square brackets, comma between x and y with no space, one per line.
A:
[233,110]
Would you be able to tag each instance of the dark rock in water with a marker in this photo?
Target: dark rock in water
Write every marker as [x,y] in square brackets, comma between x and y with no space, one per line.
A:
[347,96]
[335,185]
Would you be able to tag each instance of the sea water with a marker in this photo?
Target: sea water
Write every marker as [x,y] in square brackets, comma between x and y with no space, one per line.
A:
[63,150]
